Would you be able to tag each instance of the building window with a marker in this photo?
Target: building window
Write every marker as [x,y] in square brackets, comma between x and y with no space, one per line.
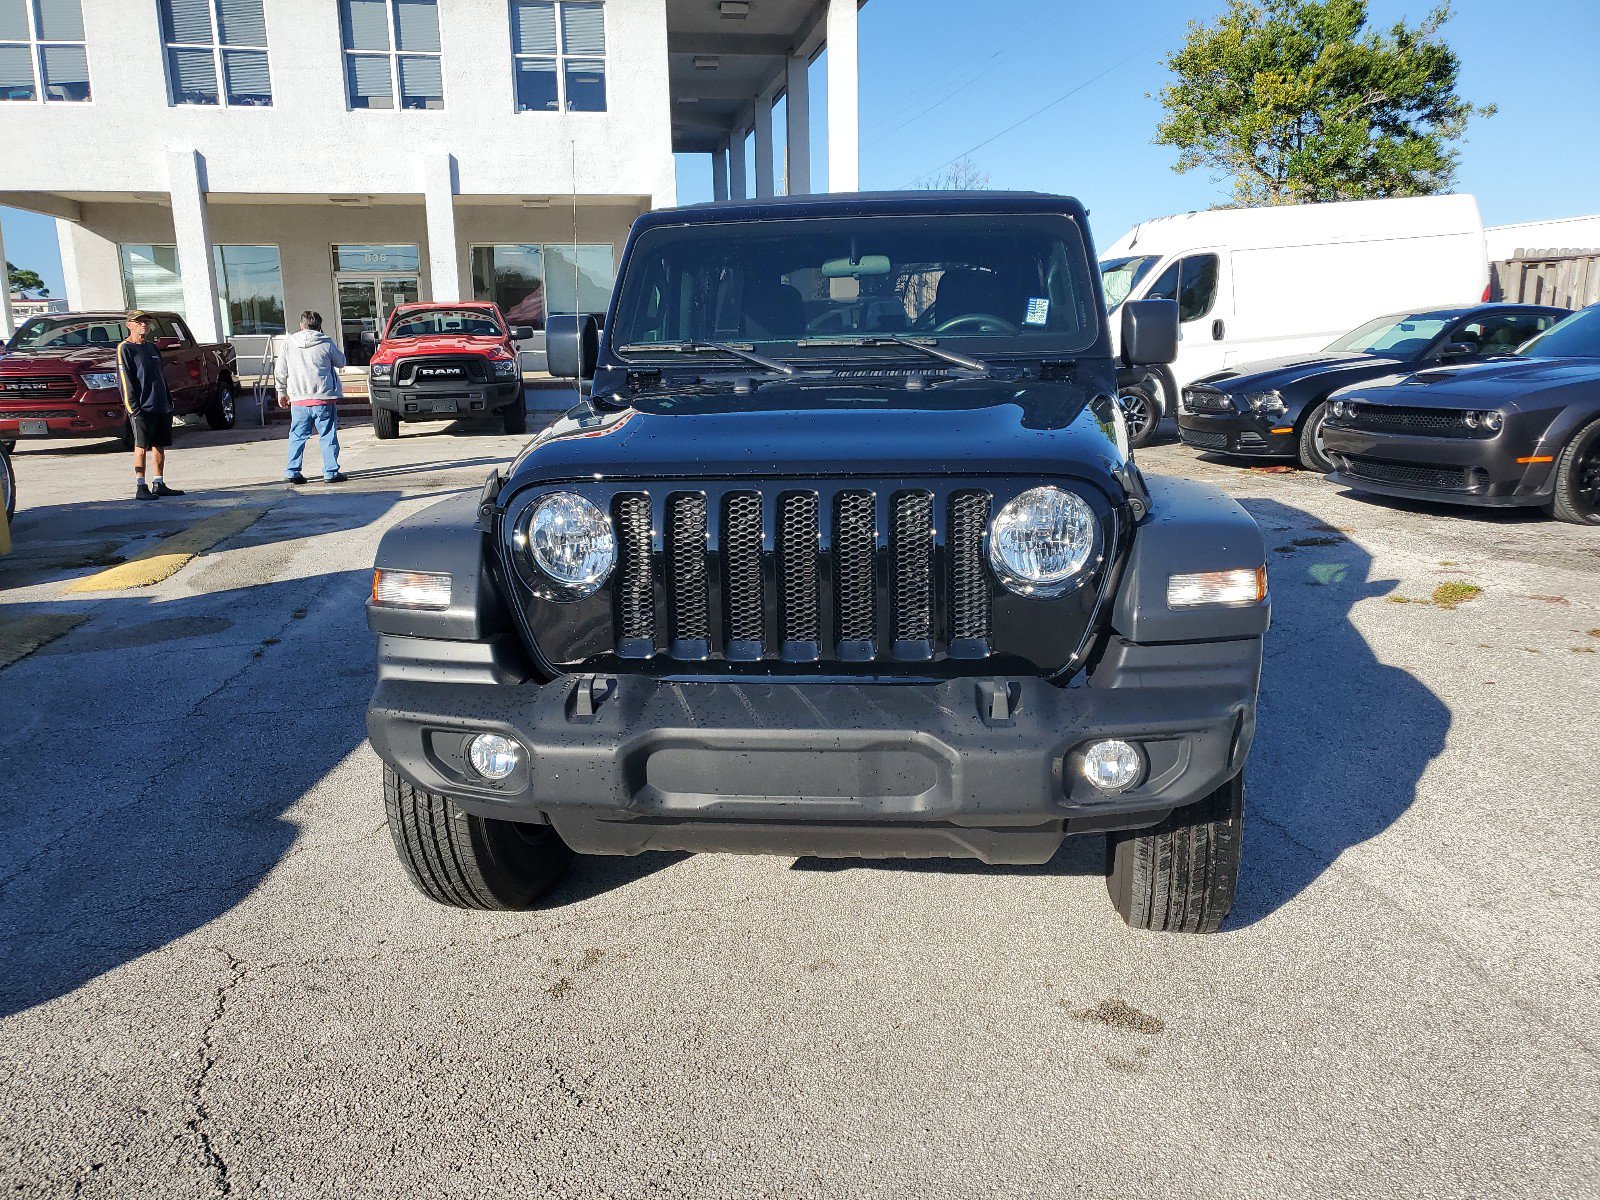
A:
[559,47]
[530,282]
[216,52]
[251,282]
[41,51]
[150,278]
[391,52]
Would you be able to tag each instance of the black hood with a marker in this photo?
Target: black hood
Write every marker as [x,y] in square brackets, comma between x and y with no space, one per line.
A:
[830,427]
[1326,371]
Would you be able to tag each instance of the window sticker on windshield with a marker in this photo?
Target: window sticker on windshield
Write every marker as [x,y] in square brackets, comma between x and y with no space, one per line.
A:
[1038,311]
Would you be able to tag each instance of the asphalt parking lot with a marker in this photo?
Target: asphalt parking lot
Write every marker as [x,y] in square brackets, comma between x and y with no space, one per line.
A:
[217,981]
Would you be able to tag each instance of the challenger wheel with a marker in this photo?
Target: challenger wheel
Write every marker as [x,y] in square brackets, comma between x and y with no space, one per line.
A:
[1180,876]
[1313,457]
[466,861]
[1577,497]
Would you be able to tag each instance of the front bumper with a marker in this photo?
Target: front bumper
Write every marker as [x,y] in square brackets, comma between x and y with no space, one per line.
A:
[1480,472]
[88,414]
[435,401]
[1238,433]
[979,768]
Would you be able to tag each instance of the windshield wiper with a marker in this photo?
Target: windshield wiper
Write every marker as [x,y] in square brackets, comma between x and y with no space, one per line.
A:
[927,346]
[749,355]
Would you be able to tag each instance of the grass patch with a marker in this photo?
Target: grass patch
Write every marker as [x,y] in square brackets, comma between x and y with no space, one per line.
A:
[1449,595]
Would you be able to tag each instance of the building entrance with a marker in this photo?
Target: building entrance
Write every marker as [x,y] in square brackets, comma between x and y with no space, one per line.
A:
[365,302]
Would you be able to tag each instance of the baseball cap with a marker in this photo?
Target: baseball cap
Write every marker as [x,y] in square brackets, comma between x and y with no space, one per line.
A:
[138,314]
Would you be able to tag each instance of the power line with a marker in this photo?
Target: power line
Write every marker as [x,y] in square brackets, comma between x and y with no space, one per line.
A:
[1035,113]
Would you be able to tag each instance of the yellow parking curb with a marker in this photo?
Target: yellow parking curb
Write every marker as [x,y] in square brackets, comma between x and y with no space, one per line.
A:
[22,637]
[170,555]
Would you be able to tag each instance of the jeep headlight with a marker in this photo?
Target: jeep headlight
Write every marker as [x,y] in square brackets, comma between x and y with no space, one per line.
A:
[1041,540]
[1266,404]
[380,371]
[571,541]
[504,368]
[99,381]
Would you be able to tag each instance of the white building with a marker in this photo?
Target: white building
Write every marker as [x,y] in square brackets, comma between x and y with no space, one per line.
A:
[240,159]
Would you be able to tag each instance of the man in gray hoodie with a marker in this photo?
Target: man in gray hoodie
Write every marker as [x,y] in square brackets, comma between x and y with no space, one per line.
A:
[308,386]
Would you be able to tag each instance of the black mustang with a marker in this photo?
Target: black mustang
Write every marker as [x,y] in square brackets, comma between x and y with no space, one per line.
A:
[1275,408]
[1520,431]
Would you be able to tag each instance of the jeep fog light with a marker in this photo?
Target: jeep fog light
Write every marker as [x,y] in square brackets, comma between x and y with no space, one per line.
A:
[1245,586]
[493,755]
[410,589]
[1112,765]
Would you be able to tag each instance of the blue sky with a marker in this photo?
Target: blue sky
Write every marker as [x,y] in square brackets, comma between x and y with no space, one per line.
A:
[1535,159]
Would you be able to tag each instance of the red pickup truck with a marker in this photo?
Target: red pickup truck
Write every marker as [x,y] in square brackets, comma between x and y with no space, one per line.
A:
[58,376]
[439,360]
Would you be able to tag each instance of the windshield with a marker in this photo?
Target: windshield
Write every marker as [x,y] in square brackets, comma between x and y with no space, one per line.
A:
[1577,336]
[457,322]
[1392,336]
[802,287]
[1118,275]
[66,333]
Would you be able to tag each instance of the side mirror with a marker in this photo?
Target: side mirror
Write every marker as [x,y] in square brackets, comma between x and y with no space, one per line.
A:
[1461,350]
[1149,332]
[572,345]
[522,333]
[168,343]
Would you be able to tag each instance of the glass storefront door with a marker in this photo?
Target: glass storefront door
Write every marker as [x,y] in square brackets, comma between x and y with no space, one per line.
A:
[365,302]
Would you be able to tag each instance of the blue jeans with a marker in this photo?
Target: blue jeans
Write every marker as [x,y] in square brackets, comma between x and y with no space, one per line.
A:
[303,420]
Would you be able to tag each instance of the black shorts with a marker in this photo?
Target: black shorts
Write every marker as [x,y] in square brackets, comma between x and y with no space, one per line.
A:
[151,430]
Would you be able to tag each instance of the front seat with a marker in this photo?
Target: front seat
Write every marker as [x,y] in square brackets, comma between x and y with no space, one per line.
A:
[773,311]
[963,291]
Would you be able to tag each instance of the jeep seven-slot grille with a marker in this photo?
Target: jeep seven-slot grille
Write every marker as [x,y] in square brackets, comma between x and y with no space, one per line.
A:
[850,574]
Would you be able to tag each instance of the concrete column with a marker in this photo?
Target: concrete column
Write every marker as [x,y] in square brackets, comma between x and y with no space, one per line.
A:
[191,228]
[764,145]
[719,174]
[798,109]
[736,181]
[844,121]
[439,202]
[7,325]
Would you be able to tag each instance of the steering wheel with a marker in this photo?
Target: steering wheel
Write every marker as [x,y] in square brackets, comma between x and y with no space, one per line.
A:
[985,322]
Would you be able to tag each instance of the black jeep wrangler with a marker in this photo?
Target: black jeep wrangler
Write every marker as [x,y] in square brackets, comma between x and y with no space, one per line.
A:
[843,554]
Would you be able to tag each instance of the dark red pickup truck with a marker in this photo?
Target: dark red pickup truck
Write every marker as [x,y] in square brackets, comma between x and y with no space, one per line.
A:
[58,376]
[440,360]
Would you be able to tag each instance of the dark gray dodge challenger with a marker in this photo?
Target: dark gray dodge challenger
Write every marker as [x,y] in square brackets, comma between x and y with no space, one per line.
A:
[842,554]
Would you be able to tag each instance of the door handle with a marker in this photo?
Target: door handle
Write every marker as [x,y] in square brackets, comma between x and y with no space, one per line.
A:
[1219,330]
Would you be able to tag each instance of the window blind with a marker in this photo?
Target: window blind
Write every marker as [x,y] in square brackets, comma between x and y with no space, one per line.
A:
[249,81]
[194,76]
[370,84]
[13,21]
[59,20]
[366,24]
[187,20]
[16,73]
[243,23]
[533,27]
[421,83]
[416,24]
[583,29]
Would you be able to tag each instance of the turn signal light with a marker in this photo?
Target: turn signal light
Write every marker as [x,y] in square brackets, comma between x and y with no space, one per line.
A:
[410,589]
[1247,585]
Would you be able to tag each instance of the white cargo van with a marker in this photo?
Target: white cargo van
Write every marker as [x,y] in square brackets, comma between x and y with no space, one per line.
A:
[1256,283]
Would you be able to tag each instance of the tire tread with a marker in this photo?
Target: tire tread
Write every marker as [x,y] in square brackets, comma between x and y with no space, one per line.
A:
[1180,876]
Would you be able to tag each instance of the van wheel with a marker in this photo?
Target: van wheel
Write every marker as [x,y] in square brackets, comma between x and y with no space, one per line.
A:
[1180,876]
[1141,408]
[223,408]
[385,423]
[1577,497]
[515,416]
[465,861]
[1312,456]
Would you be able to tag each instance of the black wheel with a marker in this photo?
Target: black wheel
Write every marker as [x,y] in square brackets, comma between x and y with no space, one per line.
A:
[1312,456]
[1181,875]
[515,416]
[466,861]
[8,483]
[1577,497]
[9,445]
[223,408]
[1140,403]
[385,423]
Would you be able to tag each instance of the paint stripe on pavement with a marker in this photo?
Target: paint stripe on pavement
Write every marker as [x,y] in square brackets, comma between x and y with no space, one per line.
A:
[170,555]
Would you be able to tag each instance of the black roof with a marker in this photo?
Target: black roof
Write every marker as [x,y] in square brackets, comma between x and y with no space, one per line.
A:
[833,204]
[1450,313]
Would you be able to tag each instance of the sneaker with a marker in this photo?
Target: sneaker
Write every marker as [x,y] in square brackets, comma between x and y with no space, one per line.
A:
[297,479]
[143,492]
[336,477]
[159,488]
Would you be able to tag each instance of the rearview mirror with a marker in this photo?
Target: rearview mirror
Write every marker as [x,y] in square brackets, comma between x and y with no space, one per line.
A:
[1149,332]
[572,345]
[867,264]
[168,343]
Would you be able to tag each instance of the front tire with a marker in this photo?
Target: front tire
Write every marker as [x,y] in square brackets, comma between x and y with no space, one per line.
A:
[385,423]
[515,417]
[223,409]
[1181,875]
[1312,456]
[8,484]
[1577,497]
[465,861]
[1140,402]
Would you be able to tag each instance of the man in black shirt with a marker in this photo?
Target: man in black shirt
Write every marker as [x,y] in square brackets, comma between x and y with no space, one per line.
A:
[149,405]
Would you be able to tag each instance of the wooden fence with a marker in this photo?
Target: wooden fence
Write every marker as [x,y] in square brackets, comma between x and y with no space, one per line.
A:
[1568,278]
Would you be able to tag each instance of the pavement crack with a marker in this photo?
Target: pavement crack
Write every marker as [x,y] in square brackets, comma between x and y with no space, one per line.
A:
[199,1121]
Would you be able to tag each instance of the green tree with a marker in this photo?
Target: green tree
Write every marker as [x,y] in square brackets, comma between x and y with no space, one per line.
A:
[22,280]
[1299,101]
